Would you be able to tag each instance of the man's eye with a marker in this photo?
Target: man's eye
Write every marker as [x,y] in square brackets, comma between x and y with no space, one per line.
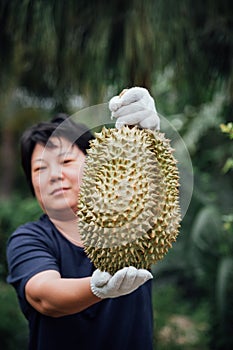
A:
[39,168]
[66,161]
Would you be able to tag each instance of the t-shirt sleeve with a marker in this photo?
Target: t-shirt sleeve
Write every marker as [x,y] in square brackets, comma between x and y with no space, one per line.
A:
[29,252]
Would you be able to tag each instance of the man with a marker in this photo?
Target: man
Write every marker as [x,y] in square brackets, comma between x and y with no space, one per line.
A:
[69,304]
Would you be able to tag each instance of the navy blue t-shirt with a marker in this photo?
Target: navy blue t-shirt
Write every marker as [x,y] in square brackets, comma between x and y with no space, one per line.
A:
[122,323]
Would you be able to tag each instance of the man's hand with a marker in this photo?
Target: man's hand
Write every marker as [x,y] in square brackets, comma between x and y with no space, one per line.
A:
[123,282]
[135,106]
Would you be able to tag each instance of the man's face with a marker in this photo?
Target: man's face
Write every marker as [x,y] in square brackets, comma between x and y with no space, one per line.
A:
[56,175]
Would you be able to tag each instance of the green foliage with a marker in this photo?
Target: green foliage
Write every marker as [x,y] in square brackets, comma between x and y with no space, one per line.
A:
[177,324]
[206,232]
[13,213]
[228,129]
[228,224]
[57,48]
[213,262]
[222,306]
[182,51]
[224,290]
[13,326]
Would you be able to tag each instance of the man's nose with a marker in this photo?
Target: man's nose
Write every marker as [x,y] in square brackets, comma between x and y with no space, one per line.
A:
[55,173]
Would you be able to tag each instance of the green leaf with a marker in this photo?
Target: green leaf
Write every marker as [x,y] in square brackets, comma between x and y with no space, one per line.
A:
[228,165]
[227,129]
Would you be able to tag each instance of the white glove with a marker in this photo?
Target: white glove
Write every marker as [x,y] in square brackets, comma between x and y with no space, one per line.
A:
[123,282]
[135,106]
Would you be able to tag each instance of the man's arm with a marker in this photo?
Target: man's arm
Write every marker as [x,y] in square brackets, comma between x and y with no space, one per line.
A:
[54,296]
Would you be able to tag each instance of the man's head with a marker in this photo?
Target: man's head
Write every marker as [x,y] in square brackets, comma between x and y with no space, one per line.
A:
[59,127]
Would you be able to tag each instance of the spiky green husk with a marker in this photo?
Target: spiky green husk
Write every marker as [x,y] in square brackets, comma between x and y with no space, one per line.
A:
[128,208]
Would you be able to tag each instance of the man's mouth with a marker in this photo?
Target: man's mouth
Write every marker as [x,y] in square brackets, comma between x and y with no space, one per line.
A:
[59,190]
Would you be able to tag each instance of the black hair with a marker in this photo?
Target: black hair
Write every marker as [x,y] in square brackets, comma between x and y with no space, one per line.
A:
[60,126]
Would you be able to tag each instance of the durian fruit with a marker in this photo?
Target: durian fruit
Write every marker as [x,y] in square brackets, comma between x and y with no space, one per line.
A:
[128,206]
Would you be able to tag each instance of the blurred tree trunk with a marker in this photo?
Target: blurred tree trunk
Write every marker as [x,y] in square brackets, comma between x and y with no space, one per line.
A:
[7,161]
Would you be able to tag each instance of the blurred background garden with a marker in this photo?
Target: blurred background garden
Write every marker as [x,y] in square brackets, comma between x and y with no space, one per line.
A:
[63,56]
